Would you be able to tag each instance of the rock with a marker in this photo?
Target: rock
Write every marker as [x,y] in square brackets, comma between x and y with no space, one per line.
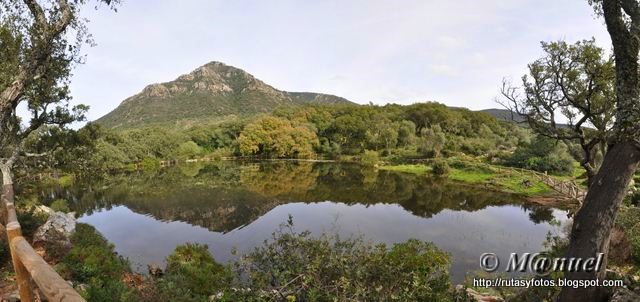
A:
[44,209]
[482,297]
[622,294]
[476,296]
[57,229]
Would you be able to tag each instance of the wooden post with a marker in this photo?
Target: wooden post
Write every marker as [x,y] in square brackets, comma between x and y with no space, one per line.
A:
[13,230]
[22,275]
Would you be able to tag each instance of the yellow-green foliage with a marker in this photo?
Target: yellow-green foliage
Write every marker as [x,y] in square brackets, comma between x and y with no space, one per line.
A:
[150,164]
[370,158]
[415,169]
[66,180]
[60,205]
[277,137]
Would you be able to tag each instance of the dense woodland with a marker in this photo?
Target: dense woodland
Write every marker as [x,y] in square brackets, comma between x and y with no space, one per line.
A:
[394,133]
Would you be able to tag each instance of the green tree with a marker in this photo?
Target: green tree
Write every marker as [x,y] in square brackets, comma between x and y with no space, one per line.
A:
[543,154]
[406,133]
[572,82]
[39,46]
[382,133]
[277,137]
[188,150]
[431,141]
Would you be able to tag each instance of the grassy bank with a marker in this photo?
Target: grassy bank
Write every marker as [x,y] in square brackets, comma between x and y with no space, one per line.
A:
[495,177]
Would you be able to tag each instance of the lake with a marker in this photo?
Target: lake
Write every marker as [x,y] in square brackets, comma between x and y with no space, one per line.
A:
[237,205]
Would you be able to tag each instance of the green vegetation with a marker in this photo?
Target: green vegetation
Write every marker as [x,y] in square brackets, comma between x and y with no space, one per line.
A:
[544,155]
[440,168]
[277,137]
[93,261]
[370,158]
[629,221]
[415,169]
[499,178]
[298,267]
[192,275]
[60,205]
[397,133]
[291,266]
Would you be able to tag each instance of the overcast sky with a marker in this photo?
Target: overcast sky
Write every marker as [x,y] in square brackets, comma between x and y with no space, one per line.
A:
[400,51]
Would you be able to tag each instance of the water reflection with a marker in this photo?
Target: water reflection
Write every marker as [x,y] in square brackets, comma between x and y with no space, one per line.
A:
[232,204]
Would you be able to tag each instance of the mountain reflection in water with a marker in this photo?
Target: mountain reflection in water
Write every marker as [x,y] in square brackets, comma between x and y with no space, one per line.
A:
[231,205]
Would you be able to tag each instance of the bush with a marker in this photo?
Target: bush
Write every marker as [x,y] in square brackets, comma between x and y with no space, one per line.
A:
[192,268]
[629,220]
[440,168]
[93,257]
[60,205]
[328,268]
[188,150]
[369,158]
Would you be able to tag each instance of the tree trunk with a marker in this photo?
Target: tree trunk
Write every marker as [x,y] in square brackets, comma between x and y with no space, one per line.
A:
[7,196]
[594,221]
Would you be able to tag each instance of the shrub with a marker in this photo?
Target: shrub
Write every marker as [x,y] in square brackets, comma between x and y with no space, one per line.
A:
[93,261]
[188,150]
[369,158]
[60,205]
[192,268]
[328,268]
[629,220]
[440,168]
[92,256]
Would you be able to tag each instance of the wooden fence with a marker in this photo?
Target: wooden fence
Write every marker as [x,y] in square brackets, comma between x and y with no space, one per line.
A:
[29,266]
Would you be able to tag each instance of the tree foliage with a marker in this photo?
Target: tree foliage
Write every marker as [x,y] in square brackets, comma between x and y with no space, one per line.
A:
[572,82]
[37,54]
[276,137]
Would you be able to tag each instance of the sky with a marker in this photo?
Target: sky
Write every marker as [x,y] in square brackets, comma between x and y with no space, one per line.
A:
[393,51]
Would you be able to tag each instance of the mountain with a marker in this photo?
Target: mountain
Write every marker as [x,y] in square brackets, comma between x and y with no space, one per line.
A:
[504,115]
[212,91]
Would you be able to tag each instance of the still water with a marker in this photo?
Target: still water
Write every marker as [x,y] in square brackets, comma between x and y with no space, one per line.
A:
[232,205]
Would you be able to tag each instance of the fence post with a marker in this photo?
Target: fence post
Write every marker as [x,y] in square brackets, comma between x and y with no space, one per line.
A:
[13,230]
[22,275]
